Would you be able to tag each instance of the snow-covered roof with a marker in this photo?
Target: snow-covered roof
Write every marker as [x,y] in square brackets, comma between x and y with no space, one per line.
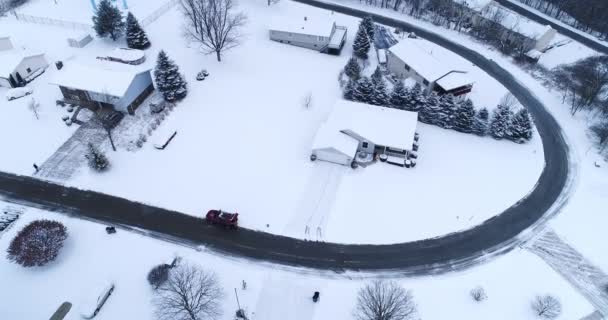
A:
[421,57]
[476,5]
[127,54]
[454,80]
[9,60]
[328,137]
[383,126]
[516,22]
[534,54]
[317,26]
[113,82]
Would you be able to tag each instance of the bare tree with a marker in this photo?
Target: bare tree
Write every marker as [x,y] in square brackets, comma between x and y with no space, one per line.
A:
[547,307]
[384,300]
[307,101]
[509,100]
[213,24]
[600,130]
[190,293]
[34,106]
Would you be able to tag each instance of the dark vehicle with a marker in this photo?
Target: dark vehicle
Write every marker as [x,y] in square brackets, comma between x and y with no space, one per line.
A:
[223,218]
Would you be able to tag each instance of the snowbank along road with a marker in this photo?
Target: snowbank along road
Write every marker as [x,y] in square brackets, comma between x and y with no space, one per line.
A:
[451,252]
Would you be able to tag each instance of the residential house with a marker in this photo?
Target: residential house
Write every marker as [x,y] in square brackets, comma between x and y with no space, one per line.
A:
[122,89]
[354,127]
[416,59]
[322,35]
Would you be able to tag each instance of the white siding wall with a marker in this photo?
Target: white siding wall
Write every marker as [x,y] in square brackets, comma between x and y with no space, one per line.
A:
[300,40]
[33,63]
[545,39]
[139,84]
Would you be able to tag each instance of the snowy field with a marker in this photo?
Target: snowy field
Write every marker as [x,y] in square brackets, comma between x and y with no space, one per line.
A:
[273,292]
[243,145]
[571,52]
[81,11]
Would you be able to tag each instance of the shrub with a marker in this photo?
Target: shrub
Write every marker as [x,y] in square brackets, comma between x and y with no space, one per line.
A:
[158,275]
[38,243]
[547,307]
[478,294]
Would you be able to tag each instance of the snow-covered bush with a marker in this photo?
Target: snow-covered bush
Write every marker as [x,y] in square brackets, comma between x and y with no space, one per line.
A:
[38,243]
[97,160]
[547,307]
[158,275]
[479,294]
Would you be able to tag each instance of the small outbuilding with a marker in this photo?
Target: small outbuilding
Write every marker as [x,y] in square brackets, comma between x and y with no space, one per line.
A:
[80,40]
[354,127]
[5,43]
[18,67]
[122,89]
[320,34]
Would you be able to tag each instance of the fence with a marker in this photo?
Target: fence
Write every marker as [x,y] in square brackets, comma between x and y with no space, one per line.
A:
[52,22]
[158,12]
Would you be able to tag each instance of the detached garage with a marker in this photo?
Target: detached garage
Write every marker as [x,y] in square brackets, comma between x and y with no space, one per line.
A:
[334,146]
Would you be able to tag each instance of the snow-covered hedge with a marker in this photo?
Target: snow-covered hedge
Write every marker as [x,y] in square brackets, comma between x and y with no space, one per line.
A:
[38,243]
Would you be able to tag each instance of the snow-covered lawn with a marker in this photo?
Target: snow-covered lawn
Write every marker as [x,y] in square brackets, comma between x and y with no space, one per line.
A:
[568,53]
[81,11]
[244,140]
[273,292]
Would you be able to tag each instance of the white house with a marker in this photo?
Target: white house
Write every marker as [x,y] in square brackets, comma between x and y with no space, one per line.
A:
[322,34]
[412,58]
[122,89]
[354,127]
[18,67]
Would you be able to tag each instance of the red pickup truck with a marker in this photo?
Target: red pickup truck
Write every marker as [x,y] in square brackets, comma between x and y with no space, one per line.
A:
[223,218]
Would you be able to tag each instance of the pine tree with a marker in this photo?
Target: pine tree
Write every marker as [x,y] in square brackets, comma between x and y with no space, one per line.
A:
[465,116]
[108,20]
[364,90]
[480,123]
[447,112]
[352,69]
[361,44]
[431,110]
[377,75]
[520,128]
[349,90]
[399,96]
[368,24]
[96,159]
[136,36]
[501,119]
[168,79]
[380,96]
[416,100]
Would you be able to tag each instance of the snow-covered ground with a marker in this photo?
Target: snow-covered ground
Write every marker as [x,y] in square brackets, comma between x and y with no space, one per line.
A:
[81,11]
[244,139]
[273,293]
[570,52]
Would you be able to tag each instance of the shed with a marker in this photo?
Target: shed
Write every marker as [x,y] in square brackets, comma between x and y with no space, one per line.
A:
[19,67]
[80,40]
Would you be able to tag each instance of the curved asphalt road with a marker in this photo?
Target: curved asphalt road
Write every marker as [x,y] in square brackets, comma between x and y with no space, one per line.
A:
[522,10]
[450,252]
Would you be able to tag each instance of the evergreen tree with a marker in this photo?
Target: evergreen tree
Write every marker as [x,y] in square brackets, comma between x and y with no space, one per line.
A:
[361,44]
[377,75]
[399,96]
[465,116]
[447,111]
[368,24]
[415,99]
[480,123]
[136,36]
[364,90]
[168,79]
[501,119]
[349,90]
[352,69]
[380,96]
[431,110]
[520,129]
[108,20]
[96,159]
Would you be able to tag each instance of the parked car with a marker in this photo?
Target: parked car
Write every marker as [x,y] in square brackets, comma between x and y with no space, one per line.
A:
[222,218]
[17,93]
[95,300]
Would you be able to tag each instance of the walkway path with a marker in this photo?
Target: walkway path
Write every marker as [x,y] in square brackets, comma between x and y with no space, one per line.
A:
[589,280]
[70,156]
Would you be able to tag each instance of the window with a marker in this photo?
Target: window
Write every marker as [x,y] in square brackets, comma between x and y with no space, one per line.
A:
[407,67]
[29,70]
[364,145]
[321,38]
[425,82]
